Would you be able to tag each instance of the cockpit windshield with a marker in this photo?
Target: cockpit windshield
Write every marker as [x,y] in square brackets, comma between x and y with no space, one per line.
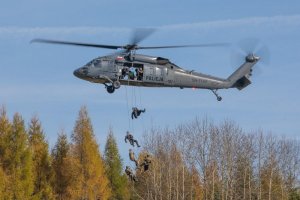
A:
[102,63]
[95,63]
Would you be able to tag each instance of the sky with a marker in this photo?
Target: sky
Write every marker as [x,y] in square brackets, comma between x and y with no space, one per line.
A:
[37,79]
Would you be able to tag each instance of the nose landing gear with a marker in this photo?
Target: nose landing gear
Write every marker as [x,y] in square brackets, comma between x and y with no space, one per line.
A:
[111,88]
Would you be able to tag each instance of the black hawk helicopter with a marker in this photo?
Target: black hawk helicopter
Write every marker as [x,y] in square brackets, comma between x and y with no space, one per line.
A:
[126,67]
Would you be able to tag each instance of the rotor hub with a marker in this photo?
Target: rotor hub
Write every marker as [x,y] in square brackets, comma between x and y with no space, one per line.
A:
[130,47]
[251,58]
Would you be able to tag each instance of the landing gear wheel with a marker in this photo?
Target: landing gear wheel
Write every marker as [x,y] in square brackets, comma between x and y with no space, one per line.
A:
[110,89]
[116,84]
[216,94]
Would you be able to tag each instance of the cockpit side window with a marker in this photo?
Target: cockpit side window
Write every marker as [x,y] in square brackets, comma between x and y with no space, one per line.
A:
[101,63]
[97,63]
[105,63]
[94,63]
[90,63]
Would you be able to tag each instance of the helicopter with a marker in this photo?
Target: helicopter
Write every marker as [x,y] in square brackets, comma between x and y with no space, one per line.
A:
[126,67]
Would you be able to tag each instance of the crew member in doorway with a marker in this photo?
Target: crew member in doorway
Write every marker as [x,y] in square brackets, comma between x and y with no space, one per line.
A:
[140,73]
[131,73]
[131,140]
[136,112]
[125,71]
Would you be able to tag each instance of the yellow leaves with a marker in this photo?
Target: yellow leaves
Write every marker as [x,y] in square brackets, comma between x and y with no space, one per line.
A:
[72,175]
[94,182]
[16,159]
[26,171]
[41,160]
[3,183]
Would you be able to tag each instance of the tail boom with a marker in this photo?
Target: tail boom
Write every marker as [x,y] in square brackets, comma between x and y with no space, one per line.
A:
[241,77]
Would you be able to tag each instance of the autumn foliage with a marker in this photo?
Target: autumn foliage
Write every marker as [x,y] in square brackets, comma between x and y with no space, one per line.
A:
[196,160]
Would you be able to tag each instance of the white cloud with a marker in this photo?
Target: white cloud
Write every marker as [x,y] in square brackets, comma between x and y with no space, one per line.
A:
[290,20]
[50,31]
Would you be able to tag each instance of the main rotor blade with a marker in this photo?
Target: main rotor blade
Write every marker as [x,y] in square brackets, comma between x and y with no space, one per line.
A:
[140,34]
[77,44]
[185,46]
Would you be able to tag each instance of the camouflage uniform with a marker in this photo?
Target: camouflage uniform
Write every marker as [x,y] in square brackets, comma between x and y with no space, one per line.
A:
[130,174]
[136,112]
[146,162]
[132,157]
[129,137]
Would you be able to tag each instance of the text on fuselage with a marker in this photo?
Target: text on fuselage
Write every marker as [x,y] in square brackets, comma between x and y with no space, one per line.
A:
[154,78]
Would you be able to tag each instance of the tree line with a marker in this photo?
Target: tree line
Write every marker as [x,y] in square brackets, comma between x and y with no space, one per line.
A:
[196,160]
[202,160]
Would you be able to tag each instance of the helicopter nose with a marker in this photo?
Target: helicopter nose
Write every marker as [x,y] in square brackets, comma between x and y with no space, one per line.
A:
[80,72]
[77,73]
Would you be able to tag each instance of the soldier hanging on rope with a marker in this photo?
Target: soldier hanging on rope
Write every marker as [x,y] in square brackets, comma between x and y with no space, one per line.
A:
[146,162]
[136,112]
[131,140]
[130,174]
[132,157]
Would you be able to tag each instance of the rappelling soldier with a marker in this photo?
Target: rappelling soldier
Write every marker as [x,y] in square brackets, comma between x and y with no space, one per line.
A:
[146,162]
[132,157]
[131,140]
[136,112]
[130,174]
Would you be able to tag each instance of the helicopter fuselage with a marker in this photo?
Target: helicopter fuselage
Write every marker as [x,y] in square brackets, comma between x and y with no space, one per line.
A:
[145,71]
[128,68]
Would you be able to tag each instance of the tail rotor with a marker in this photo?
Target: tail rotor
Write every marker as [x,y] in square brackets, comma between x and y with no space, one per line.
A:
[248,48]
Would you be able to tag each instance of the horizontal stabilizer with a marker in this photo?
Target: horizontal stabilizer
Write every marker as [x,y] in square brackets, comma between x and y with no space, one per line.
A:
[242,83]
[240,78]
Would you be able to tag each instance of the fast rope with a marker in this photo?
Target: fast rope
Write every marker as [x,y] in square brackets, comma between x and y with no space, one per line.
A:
[128,112]
[133,104]
[140,106]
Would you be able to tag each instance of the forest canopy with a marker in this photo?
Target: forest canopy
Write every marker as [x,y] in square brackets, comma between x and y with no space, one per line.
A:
[195,160]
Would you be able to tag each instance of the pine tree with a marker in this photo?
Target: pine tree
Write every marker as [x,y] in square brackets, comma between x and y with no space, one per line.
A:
[117,179]
[86,150]
[5,128]
[59,153]
[19,162]
[66,169]
[42,170]
[3,180]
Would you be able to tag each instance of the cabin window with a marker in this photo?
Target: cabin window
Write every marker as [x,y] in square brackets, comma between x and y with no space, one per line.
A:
[151,71]
[166,71]
[158,71]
